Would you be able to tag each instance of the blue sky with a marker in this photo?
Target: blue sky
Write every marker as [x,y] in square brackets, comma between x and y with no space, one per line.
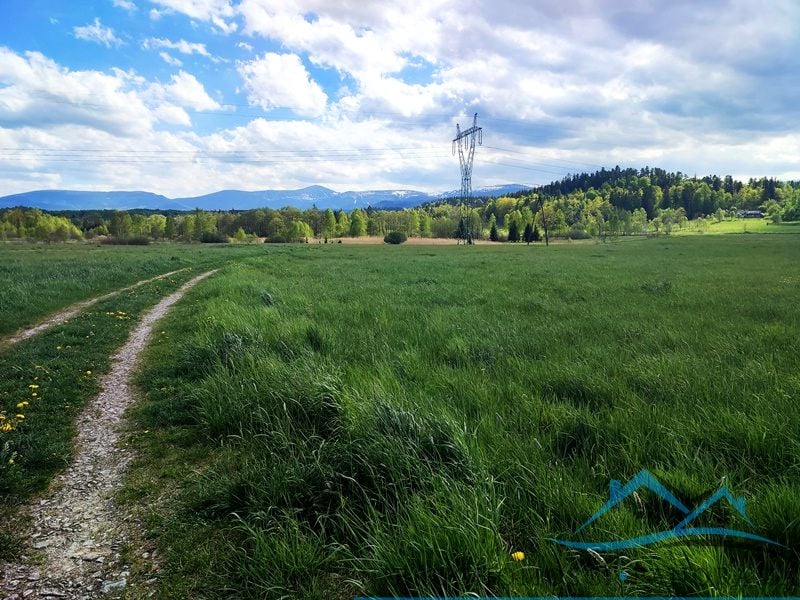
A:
[184,97]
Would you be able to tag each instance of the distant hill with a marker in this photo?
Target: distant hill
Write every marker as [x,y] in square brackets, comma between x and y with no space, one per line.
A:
[304,198]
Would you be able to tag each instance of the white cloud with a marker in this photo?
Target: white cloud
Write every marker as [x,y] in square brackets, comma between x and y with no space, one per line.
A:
[170,60]
[128,5]
[38,93]
[218,12]
[686,86]
[329,42]
[281,81]
[155,14]
[184,90]
[96,32]
[181,46]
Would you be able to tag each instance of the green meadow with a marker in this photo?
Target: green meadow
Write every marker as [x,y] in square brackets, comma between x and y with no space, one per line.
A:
[326,421]
[38,279]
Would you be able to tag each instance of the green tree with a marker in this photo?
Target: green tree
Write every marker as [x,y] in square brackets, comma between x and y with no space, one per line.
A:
[358,223]
[513,232]
[329,223]
[528,235]
[121,224]
[493,232]
[170,228]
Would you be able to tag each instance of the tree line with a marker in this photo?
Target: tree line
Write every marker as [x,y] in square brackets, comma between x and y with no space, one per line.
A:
[607,202]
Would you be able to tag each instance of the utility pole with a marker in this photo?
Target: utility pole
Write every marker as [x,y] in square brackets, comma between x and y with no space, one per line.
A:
[465,143]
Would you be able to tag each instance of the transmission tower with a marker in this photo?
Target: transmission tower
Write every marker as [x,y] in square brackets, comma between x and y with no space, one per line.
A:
[465,142]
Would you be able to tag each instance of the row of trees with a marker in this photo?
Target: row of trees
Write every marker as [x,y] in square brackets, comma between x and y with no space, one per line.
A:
[616,202]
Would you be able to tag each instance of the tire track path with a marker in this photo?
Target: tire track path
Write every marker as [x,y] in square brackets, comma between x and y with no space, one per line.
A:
[74,309]
[76,525]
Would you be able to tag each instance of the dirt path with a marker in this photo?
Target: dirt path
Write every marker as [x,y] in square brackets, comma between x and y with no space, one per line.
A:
[77,528]
[73,310]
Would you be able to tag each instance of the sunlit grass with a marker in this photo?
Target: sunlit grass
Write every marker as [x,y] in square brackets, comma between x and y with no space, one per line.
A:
[346,420]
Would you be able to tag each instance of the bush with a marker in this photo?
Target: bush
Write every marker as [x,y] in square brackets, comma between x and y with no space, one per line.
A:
[578,234]
[276,239]
[133,241]
[214,238]
[395,237]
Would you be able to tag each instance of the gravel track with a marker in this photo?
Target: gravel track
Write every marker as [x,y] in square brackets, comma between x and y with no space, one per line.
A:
[75,546]
[71,311]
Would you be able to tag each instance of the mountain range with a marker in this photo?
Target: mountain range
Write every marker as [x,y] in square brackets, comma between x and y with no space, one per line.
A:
[315,195]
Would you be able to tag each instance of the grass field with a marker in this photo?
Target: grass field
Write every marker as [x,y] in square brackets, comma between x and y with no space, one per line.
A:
[339,420]
[38,279]
[741,226]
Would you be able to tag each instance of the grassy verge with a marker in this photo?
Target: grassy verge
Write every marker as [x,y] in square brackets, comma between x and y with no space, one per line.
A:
[398,421]
[44,384]
[37,279]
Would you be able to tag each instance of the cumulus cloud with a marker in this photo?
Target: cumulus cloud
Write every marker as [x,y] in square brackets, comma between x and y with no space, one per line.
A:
[282,81]
[97,33]
[183,90]
[559,86]
[218,12]
[38,93]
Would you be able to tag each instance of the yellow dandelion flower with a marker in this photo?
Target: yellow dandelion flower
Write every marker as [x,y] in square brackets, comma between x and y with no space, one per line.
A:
[58,347]
[88,373]
[518,555]
[22,404]
[20,416]
[11,461]
[33,386]
[34,394]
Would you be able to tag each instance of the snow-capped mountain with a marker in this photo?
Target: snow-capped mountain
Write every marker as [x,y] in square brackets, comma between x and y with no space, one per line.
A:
[315,195]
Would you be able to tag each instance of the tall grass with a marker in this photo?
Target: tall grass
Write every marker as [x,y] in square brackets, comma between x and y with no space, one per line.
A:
[363,420]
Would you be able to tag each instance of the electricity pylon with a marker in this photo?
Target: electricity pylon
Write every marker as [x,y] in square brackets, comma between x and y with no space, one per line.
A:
[465,142]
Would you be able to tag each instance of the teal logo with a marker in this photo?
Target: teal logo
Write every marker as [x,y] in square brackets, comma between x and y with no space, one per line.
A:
[684,529]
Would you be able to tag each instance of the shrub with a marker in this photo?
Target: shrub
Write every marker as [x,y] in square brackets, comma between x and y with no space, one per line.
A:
[578,234]
[395,237]
[214,238]
[132,241]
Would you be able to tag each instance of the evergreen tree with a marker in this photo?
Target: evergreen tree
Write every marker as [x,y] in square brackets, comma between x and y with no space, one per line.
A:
[513,232]
[528,235]
[536,236]
[493,233]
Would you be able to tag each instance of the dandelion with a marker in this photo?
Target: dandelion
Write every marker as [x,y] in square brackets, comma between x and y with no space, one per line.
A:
[33,386]
[20,416]
[58,347]
[22,404]
[88,373]
[518,555]
[11,461]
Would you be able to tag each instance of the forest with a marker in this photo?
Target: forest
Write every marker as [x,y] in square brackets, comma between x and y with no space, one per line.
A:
[606,202]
